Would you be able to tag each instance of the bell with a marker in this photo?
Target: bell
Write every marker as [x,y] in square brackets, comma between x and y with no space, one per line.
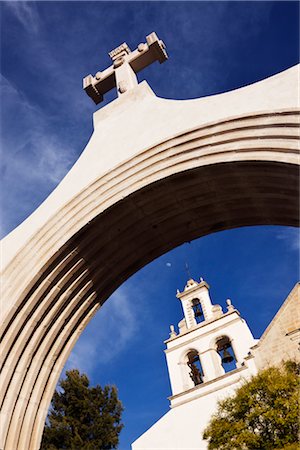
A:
[197,311]
[227,358]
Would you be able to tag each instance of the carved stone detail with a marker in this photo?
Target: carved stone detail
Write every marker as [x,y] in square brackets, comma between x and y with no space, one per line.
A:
[122,56]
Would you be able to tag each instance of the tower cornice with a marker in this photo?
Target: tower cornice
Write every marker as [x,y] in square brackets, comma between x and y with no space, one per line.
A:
[190,288]
[204,326]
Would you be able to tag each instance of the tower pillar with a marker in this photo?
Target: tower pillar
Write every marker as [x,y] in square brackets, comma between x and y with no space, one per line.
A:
[211,363]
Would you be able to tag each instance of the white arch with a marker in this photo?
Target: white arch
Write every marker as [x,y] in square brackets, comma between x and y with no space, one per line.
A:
[239,150]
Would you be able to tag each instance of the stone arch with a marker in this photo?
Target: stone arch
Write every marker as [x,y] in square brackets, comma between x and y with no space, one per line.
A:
[70,287]
[229,173]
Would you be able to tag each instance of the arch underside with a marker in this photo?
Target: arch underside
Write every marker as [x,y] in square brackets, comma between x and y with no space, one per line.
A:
[54,307]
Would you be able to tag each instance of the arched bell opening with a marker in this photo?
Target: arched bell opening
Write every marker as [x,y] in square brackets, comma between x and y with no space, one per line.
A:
[195,368]
[197,308]
[226,353]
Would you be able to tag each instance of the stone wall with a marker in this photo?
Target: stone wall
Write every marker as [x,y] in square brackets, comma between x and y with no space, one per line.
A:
[281,340]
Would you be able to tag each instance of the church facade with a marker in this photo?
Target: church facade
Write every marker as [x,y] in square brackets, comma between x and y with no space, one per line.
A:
[212,353]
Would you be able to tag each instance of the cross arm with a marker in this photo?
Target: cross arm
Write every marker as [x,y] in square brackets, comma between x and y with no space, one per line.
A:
[97,86]
[146,54]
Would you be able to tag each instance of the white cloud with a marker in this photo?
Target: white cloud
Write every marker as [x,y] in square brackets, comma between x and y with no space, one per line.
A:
[34,158]
[34,135]
[108,334]
[26,13]
[291,237]
[38,142]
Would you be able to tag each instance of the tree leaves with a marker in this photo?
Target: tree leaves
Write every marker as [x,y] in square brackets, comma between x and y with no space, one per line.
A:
[263,413]
[83,417]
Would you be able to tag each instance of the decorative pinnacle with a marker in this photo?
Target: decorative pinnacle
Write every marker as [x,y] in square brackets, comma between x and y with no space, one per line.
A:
[172,331]
[126,64]
[230,306]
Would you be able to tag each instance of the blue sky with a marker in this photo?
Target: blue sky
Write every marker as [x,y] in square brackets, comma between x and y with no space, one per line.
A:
[46,121]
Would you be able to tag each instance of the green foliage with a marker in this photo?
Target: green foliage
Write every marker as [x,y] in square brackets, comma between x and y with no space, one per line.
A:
[83,417]
[262,415]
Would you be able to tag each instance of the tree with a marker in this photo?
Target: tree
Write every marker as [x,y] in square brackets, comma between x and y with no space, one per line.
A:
[83,417]
[263,413]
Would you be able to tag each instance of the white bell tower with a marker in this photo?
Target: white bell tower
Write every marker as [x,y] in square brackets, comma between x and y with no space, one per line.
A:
[211,345]
[194,292]
[208,357]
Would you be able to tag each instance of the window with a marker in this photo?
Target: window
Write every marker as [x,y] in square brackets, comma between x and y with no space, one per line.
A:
[198,313]
[225,350]
[194,364]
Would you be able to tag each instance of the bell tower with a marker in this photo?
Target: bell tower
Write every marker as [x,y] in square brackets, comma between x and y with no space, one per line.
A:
[196,303]
[208,356]
[210,348]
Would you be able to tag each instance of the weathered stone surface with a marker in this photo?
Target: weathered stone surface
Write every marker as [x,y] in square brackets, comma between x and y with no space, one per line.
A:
[281,340]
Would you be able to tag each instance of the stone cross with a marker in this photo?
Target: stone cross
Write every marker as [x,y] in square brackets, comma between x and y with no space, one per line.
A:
[122,73]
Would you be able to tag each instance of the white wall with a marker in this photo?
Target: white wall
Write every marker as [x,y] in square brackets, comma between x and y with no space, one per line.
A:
[203,340]
[181,428]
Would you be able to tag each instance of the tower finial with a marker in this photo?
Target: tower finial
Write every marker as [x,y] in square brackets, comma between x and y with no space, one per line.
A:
[172,331]
[230,306]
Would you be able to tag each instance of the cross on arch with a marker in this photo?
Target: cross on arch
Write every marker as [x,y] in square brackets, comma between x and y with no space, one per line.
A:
[126,64]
